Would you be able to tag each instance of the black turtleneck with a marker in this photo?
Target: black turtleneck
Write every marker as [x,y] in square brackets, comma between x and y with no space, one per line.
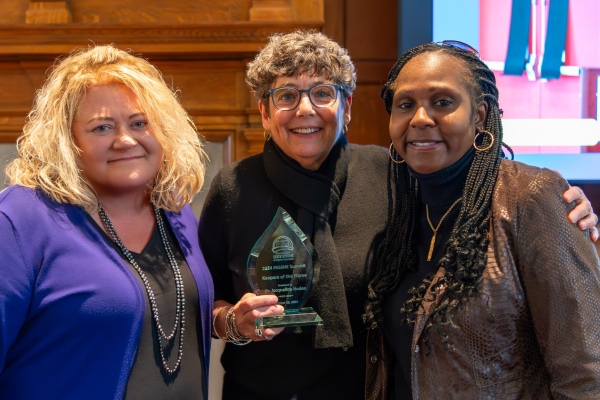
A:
[438,190]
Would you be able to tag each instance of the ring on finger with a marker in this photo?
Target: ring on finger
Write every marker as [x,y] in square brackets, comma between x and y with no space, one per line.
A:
[259,332]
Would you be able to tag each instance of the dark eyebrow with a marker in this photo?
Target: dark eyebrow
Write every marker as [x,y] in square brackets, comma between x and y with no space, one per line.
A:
[431,89]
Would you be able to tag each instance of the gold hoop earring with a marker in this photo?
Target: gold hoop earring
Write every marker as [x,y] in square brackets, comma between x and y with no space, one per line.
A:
[479,132]
[392,157]
[266,135]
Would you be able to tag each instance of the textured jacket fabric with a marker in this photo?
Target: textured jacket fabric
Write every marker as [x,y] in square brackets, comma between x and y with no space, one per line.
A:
[532,331]
[240,205]
[71,310]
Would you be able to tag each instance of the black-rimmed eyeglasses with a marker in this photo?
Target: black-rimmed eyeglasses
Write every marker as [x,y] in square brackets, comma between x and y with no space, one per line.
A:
[459,45]
[287,98]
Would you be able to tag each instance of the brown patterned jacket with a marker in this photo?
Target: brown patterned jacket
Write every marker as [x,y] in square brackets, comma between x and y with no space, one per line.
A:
[532,331]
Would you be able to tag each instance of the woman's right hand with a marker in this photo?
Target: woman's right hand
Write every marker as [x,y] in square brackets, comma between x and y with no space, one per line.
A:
[247,310]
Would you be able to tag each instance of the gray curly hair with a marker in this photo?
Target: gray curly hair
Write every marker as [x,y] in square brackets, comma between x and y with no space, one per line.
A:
[300,53]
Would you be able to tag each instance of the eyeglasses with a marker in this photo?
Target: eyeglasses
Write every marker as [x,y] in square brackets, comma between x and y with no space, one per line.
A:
[460,45]
[288,98]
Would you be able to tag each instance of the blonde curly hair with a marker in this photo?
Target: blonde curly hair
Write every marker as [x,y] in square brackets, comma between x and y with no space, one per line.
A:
[48,155]
[300,53]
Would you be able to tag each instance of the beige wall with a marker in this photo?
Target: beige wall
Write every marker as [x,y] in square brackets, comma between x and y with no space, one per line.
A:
[7,152]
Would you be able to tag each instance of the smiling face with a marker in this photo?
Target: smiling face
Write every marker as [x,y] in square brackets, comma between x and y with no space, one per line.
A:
[306,133]
[432,123]
[119,153]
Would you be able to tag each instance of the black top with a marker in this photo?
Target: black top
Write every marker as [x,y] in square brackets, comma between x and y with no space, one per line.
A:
[240,205]
[148,379]
[438,190]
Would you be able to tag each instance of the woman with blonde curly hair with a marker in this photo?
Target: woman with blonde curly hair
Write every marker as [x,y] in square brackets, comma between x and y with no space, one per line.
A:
[105,291]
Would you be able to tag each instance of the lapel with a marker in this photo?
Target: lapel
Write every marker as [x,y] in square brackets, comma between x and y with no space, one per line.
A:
[428,304]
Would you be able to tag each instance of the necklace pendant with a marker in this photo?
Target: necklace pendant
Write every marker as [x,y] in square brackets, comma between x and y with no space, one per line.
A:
[431,245]
[435,229]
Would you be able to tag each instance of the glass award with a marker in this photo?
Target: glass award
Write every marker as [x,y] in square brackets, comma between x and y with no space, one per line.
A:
[281,263]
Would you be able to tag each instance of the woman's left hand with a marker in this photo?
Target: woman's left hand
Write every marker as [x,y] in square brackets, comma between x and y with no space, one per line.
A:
[582,214]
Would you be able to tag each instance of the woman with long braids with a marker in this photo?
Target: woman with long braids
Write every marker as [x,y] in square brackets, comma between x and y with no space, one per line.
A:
[483,288]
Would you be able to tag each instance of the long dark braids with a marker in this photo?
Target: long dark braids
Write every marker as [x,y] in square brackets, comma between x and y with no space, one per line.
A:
[465,252]
[394,257]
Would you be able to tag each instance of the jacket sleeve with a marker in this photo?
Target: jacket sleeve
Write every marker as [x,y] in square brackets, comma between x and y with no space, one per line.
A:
[16,287]
[212,233]
[560,274]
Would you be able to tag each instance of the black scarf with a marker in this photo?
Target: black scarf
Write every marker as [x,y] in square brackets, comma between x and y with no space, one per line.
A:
[317,195]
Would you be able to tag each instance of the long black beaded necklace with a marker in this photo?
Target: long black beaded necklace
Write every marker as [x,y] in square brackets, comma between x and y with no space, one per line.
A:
[180,305]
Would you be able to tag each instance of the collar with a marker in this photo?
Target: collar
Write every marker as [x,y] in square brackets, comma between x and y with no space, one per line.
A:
[443,187]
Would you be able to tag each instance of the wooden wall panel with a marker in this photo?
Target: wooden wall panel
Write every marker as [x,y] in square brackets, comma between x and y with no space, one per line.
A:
[18,82]
[371,37]
[207,85]
[370,121]
[372,29]
[13,11]
[307,10]
[202,47]
[335,20]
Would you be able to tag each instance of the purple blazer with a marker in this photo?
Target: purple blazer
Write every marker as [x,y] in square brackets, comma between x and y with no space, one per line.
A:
[71,310]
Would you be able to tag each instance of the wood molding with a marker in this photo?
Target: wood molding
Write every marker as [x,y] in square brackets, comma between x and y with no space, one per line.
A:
[230,40]
[255,140]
